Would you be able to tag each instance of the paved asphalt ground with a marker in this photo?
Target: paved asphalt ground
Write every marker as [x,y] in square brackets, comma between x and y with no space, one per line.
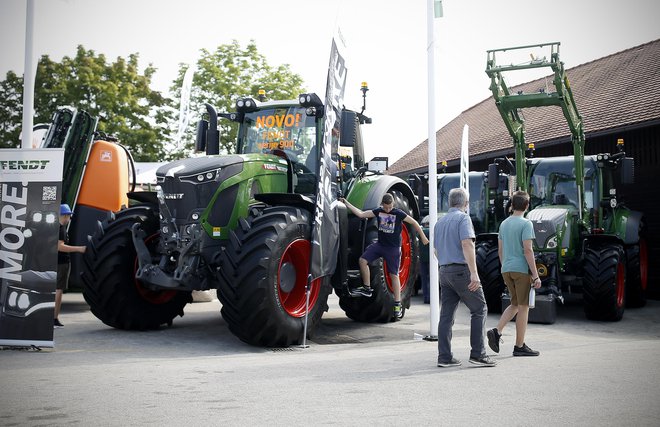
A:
[196,373]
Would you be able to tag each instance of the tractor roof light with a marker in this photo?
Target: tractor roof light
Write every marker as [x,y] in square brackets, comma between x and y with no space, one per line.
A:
[530,150]
[246,105]
[620,146]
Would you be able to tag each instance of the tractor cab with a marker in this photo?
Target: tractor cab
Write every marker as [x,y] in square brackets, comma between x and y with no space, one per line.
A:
[289,132]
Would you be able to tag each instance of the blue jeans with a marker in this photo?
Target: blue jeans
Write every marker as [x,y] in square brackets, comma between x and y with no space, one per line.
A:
[454,281]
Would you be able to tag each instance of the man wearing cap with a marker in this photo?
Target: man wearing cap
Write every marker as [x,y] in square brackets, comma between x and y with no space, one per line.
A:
[63,260]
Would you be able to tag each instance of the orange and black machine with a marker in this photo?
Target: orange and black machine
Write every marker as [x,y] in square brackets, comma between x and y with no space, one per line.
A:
[98,175]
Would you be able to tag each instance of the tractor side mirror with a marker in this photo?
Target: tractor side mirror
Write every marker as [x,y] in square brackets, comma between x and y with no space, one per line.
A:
[493,177]
[627,170]
[200,141]
[349,128]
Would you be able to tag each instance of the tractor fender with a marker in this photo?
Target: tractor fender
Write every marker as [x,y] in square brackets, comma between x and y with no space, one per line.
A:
[633,225]
[600,239]
[387,183]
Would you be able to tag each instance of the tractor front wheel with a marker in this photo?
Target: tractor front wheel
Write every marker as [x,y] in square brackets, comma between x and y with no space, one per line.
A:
[604,282]
[263,278]
[113,293]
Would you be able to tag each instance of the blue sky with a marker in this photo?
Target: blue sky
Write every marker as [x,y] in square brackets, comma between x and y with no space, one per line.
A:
[387,41]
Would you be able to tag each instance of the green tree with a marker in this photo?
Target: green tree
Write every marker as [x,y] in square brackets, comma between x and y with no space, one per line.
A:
[11,110]
[224,75]
[115,92]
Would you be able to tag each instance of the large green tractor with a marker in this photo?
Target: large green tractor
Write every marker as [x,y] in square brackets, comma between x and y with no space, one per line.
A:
[587,240]
[251,225]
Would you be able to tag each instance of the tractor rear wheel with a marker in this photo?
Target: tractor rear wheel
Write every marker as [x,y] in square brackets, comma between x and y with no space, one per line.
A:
[113,293]
[380,307]
[604,282]
[488,266]
[263,275]
[637,269]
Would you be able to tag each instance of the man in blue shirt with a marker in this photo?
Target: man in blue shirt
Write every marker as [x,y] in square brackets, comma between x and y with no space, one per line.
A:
[459,281]
[517,259]
[388,246]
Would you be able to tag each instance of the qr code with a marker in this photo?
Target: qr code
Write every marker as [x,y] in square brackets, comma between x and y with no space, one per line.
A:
[49,193]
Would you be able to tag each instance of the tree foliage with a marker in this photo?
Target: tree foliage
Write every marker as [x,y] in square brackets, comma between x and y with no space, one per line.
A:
[144,120]
[226,74]
[11,110]
[115,92]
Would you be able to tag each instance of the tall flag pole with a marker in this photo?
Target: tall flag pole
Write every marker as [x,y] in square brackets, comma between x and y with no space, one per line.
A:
[28,78]
[434,11]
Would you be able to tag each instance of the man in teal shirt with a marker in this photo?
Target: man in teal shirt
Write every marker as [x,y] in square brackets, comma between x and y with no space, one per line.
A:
[517,259]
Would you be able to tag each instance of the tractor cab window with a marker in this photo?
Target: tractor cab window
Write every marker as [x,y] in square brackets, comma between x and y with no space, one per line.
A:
[553,183]
[288,129]
[477,197]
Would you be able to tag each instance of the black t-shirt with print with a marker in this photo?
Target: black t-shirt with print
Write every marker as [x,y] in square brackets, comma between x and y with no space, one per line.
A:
[389,226]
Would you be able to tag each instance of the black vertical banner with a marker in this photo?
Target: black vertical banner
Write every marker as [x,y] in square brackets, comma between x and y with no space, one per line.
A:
[30,193]
[325,234]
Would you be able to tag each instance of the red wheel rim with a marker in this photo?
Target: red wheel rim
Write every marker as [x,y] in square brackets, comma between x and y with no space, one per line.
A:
[405,266]
[643,263]
[297,256]
[149,295]
[620,284]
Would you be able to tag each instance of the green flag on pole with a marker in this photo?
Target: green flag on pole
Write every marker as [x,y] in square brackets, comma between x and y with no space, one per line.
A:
[437,8]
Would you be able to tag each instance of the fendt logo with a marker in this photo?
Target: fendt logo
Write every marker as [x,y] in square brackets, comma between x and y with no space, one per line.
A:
[173,196]
[23,164]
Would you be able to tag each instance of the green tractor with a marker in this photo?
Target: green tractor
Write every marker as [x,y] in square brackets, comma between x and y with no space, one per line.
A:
[587,241]
[263,226]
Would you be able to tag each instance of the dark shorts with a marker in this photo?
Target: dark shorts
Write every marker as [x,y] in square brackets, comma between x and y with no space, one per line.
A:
[391,255]
[63,271]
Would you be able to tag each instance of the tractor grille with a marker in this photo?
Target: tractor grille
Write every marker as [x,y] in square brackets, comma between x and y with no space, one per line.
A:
[182,198]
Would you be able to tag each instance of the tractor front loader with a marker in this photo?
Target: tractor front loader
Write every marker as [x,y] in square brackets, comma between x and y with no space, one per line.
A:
[587,241]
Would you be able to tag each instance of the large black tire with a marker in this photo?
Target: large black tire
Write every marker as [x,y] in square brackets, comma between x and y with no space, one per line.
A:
[637,269]
[109,265]
[260,309]
[489,268]
[380,307]
[604,282]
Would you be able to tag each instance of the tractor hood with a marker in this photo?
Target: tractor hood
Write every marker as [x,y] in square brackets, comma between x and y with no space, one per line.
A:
[550,226]
[207,189]
[191,168]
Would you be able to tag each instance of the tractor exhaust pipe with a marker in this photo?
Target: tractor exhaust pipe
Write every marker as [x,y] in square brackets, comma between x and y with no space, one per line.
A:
[212,133]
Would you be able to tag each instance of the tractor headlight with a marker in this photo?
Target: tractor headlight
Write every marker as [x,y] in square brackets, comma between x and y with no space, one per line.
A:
[552,242]
[542,269]
[202,177]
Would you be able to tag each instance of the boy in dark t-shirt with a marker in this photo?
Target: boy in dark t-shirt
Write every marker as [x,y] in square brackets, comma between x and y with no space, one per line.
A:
[387,247]
[64,251]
